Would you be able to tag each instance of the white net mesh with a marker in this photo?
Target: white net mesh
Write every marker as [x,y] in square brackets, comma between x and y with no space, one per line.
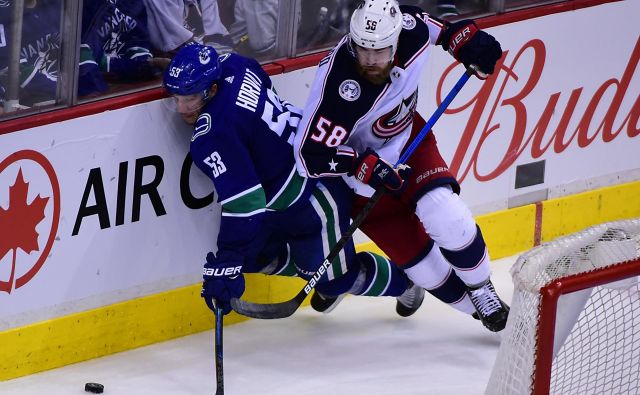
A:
[597,333]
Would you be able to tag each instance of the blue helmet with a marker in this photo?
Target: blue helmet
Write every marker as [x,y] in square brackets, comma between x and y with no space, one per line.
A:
[193,70]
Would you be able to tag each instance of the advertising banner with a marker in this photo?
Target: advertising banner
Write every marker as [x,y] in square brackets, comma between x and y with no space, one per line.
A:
[100,209]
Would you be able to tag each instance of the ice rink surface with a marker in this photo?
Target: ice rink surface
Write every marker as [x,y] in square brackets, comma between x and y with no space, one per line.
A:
[361,348]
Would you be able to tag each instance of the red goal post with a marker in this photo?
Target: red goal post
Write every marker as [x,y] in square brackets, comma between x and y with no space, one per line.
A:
[574,324]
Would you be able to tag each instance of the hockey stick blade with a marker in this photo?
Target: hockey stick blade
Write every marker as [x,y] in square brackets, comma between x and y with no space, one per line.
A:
[268,310]
[283,309]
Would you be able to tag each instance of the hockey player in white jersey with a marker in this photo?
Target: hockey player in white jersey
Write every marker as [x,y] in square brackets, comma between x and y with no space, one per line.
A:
[360,115]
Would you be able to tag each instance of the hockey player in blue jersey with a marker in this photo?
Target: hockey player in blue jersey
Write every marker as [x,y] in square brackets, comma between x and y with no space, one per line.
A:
[273,221]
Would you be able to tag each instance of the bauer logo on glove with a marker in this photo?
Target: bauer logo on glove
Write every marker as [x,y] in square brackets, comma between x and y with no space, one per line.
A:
[370,169]
[222,279]
[462,36]
[362,173]
[222,271]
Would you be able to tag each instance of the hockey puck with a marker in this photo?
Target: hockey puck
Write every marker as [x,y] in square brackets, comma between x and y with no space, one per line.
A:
[94,388]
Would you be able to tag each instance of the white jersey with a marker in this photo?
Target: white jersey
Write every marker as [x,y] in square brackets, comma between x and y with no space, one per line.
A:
[346,114]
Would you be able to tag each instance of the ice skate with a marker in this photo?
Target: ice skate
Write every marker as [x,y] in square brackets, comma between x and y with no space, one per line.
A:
[324,304]
[490,310]
[410,301]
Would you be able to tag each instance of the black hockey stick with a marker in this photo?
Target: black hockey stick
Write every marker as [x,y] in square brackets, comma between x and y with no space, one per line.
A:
[219,370]
[287,308]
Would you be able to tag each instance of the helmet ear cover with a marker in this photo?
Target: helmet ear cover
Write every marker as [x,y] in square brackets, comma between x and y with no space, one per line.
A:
[193,70]
[376,24]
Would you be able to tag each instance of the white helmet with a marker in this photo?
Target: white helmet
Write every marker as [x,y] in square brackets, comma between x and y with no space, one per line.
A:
[376,24]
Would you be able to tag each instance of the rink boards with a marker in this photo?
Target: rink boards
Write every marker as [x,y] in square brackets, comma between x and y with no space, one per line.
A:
[121,221]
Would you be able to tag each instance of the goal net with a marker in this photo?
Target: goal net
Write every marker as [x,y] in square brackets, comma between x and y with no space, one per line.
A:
[574,324]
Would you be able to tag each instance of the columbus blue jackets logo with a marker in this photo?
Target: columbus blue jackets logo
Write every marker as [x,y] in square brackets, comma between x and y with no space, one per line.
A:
[396,120]
[349,90]
[408,22]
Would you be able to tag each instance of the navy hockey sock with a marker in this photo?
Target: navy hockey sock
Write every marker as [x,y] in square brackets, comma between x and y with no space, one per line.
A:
[450,291]
[381,276]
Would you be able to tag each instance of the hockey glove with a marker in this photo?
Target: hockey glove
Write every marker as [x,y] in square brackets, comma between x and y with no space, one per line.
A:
[471,46]
[370,169]
[223,280]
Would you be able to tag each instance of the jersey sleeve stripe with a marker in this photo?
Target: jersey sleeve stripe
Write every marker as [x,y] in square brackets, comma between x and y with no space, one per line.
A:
[249,214]
[346,150]
[289,193]
[241,194]
[418,53]
[245,203]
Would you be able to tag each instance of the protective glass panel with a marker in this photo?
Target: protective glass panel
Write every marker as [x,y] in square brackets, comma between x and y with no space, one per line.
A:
[324,22]
[517,4]
[247,27]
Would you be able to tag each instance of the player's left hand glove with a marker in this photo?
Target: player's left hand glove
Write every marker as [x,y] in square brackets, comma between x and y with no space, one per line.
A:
[223,279]
[471,46]
[370,169]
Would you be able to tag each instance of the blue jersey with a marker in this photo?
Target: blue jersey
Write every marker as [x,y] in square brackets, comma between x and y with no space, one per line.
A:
[115,39]
[39,52]
[242,141]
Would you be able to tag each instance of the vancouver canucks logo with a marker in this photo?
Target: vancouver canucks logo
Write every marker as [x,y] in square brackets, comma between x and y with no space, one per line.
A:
[112,29]
[396,120]
[204,56]
[114,44]
[202,126]
[349,90]
[408,22]
[40,58]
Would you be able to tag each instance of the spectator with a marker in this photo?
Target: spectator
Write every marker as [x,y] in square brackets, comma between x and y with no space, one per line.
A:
[255,29]
[166,23]
[443,9]
[173,23]
[215,33]
[39,52]
[115,45]
[446,9]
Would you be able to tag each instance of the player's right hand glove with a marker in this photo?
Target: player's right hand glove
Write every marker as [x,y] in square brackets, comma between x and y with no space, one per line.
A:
[223,280]
[471,46]
[370,169]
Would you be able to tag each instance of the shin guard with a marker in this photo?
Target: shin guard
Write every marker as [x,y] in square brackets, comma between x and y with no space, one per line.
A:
[470,262]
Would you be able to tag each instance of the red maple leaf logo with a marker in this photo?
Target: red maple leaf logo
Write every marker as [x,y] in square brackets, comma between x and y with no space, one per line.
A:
[18,224]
